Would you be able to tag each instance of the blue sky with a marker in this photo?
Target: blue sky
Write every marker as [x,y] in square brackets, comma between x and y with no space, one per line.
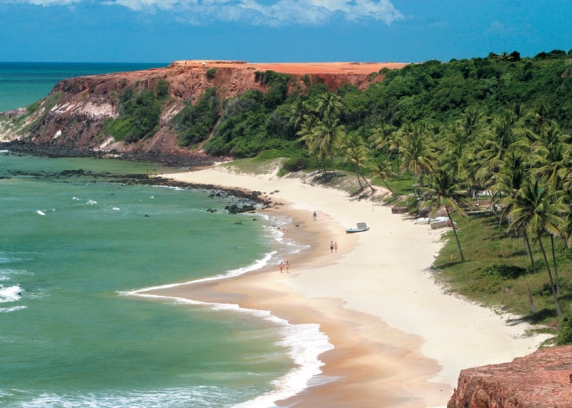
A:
[278,30]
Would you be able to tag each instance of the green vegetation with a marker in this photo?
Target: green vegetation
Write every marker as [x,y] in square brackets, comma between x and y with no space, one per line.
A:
[162,89]
[33,107]
[211,73]
[194,123]
[139,113]
[46,105]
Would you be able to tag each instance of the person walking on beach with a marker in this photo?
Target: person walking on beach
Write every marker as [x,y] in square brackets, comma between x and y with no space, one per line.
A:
[336,247]
[281,266]
[287,267]
[314,215]
[331,247]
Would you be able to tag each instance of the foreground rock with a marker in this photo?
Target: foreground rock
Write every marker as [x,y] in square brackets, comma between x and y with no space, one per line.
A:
[541,379]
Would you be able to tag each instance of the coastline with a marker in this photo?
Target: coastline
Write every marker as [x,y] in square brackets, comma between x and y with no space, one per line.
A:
[398,339]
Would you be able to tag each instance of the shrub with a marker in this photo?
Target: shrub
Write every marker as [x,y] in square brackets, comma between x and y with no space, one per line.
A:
[501,271]
[33,107]
[195,122]
[162,89]
[565,335]
[211,73]
[295,164]
[139,115]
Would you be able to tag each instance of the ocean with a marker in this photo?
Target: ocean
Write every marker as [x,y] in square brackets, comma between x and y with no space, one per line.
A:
[22,83]
[75,251]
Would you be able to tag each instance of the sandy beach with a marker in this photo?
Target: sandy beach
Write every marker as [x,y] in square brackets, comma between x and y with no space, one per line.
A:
[399,340]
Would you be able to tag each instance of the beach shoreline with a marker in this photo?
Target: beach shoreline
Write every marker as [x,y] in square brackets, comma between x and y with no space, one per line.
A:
[399,340]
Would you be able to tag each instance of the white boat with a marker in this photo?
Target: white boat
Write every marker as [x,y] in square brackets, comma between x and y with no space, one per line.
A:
[361,227]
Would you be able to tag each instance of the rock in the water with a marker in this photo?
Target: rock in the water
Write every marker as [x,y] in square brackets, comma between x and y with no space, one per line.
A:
[541,379]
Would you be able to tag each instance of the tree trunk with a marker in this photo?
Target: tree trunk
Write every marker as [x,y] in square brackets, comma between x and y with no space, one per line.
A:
[530,299]
[554,295]
[358,179]
[456,236]
[555,265]
[387,185]
[368,184]
[529,250]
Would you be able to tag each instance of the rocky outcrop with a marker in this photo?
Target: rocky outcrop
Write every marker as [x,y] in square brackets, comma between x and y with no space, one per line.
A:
[541,379]
[71,118]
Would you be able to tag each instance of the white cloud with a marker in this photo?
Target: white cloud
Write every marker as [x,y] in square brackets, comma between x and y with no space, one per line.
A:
[259,12]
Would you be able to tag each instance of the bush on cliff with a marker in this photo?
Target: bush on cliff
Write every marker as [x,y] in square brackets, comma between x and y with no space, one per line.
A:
[139,114]
[565,335]
[162,89]
[195,122]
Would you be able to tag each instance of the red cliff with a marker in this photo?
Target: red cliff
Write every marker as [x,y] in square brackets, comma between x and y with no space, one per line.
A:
[541,379]
[75,118]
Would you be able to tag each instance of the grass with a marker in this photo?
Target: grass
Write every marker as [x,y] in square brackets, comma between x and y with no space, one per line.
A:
[253,166]
[491,253]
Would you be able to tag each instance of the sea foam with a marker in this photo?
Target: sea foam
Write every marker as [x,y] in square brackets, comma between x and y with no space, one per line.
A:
[10,293]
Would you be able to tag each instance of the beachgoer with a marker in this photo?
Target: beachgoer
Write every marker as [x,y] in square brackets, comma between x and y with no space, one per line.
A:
[314,215]
[335,246]
[287,267]
[281,266]
[331,247]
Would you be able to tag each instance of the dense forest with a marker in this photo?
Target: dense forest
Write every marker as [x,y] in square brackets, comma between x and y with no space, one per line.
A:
[431,94]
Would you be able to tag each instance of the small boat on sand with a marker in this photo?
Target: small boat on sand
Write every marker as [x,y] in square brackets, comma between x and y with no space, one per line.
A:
[361,227]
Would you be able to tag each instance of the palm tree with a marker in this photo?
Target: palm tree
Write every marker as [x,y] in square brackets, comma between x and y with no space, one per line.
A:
[535,210]
[329,134]
[552,154]
[357,152]
[505,134]
[384,170]
[416,152]
[470,122]
[444,191]
[309,136]
[383,138]
[329,106]
[298,112]
[503,56]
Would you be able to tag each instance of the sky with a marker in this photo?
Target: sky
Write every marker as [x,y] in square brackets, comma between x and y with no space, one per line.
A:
[158,31]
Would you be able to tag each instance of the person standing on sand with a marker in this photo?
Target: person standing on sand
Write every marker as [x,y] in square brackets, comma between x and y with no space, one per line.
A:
[287,267]
[336,247]
[331,247]
[314,215]
[281,266]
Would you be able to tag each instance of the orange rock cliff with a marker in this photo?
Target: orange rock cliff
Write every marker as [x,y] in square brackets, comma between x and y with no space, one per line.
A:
[86,102]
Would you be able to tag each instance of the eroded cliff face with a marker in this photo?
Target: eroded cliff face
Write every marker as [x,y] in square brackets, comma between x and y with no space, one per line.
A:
[72,116]
[541,379]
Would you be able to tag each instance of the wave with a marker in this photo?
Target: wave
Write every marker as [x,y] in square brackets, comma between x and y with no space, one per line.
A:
[170,397]
[305,342]
[10,293]
[12,309]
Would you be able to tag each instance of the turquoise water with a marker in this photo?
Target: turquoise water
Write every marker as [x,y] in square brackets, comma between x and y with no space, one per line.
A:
[68,337]
[22,83]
